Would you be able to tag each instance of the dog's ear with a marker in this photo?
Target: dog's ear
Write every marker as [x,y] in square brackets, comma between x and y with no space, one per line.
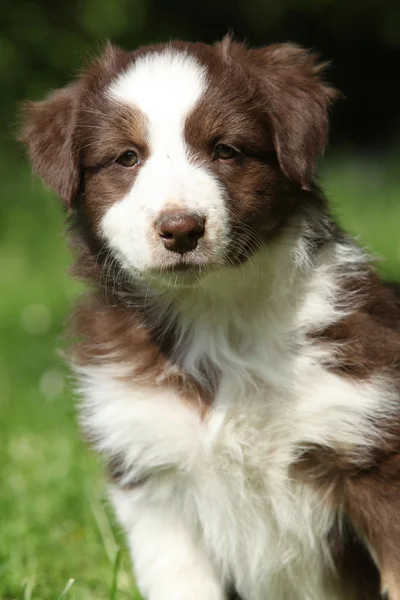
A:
[48,133]
[49,127]
[297,101]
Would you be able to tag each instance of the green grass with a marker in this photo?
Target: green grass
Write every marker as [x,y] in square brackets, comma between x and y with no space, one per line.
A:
[58,538]
[366,199]
[55,525]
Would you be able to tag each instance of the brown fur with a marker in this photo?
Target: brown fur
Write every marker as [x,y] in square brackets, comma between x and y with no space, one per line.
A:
[264,193]
[364,486]
[48,133]
[365,482]
[121,474]
[297,102]
[124,337]
[354,573]
[104,181]
[367,341]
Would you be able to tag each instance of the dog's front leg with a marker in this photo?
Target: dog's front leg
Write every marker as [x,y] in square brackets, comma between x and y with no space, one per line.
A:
[169,562]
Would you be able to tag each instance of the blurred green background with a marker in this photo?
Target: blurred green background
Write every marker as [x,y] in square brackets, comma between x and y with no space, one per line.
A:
[57,535]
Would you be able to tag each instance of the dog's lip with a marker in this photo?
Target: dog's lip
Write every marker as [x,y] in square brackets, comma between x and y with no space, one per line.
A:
[183,267]
[180,267]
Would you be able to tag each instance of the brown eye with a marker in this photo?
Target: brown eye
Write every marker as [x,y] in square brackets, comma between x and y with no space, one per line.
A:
[223,152]
[128,159]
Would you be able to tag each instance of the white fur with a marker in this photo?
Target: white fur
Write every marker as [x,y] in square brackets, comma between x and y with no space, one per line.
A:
[219,504]
[165,88]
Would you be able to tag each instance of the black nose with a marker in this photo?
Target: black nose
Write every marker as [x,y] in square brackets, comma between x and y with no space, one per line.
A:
[180,231]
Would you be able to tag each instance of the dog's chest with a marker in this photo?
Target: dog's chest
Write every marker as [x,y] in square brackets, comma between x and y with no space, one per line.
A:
[267,533]
[228,473]
[228,469]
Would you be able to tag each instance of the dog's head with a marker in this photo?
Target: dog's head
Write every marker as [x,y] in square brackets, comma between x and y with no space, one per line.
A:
[184,156]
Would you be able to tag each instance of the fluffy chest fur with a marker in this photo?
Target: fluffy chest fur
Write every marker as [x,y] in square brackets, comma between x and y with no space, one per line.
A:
[231,467]
[227,471]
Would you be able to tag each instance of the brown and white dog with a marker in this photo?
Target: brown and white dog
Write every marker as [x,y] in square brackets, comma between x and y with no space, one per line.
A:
[239,359]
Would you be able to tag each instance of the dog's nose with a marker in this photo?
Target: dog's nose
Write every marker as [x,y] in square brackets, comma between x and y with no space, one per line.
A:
[180,231]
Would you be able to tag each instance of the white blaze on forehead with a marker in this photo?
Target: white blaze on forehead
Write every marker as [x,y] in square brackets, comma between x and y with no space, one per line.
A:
[165,88]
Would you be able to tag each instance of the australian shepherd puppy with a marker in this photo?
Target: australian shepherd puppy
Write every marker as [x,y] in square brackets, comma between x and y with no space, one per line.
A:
[237,355]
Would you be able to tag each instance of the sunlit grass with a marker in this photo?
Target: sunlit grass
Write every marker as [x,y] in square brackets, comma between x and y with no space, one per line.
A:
[58,538]
[365,196]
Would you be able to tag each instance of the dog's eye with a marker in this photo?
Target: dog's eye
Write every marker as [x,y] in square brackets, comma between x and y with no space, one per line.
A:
[223,152]
[128,159]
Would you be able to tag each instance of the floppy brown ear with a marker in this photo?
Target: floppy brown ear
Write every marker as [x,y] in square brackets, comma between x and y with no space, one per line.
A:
[298,101]
[48,132]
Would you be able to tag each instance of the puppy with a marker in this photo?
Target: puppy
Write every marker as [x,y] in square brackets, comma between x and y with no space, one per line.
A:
[237,355]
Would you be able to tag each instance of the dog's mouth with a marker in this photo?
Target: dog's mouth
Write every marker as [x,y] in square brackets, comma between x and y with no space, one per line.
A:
[182,268]
[182,272]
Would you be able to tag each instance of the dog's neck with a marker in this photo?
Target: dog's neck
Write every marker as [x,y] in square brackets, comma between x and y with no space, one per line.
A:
[226,315]
[268,281]
[234,319]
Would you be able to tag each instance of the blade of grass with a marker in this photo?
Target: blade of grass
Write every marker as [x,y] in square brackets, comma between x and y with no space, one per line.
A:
[114,585]
[28,589]
[66,589]
[105,529]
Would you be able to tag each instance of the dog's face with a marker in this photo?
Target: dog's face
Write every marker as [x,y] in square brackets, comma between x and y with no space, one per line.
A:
[184,157]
